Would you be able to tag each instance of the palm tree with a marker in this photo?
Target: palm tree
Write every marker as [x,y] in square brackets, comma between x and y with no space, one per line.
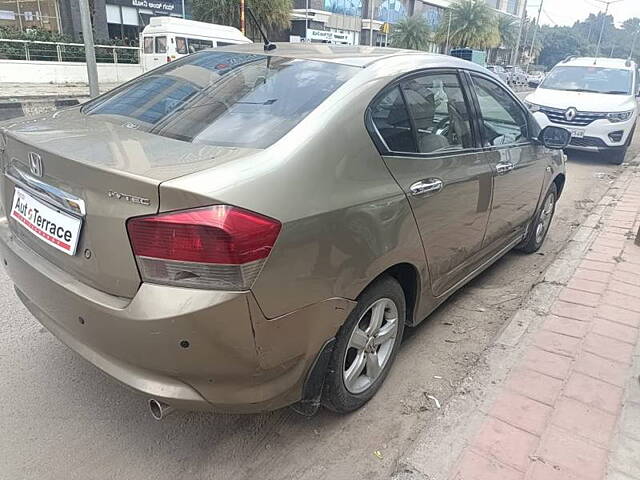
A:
[412,33]
[473,25]
[272,14]
[508,29]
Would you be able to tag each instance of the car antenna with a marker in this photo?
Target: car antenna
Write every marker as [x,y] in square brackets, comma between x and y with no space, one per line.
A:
[268,46]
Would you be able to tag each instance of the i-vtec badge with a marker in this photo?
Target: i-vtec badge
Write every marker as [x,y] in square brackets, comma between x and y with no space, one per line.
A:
[128,198]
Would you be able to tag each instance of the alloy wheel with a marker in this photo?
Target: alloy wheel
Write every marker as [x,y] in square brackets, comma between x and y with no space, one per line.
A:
[370,345]
[545,218]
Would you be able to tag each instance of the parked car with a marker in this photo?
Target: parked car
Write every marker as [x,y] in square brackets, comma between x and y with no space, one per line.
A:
[499,71]
[516,76]
[244,238]
[535,78]
[595,99]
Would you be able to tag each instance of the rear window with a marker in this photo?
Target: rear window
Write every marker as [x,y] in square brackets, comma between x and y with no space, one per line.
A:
[222,98]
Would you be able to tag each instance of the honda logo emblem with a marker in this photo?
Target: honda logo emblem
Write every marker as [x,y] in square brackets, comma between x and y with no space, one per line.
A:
[35,164]
[570,114]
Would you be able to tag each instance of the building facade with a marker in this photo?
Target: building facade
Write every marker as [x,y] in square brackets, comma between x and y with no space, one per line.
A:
[356,22]
[112,19]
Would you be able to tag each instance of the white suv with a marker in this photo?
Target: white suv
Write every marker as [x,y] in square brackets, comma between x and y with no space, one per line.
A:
[595,99]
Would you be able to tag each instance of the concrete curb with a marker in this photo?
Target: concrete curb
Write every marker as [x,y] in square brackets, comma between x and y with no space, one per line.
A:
[439,444]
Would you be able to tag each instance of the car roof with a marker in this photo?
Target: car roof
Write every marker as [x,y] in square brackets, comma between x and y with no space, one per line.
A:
[352,55]
[599,62]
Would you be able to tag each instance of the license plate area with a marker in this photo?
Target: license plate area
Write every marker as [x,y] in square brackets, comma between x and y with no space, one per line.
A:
[576,133]
[49,224]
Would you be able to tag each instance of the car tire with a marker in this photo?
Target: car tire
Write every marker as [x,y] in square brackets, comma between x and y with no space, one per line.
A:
[350,383]
[539,227]
[616,157]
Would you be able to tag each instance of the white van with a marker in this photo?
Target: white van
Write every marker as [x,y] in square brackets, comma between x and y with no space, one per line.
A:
[169,38]
[595,99]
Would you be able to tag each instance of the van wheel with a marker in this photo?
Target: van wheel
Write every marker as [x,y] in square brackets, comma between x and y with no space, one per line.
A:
[366,347]
[539,228]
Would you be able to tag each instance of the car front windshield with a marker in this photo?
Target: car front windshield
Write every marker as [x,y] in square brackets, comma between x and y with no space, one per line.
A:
[223,98]
[590,79]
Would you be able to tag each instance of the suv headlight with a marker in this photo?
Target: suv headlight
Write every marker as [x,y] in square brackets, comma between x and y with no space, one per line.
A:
[533,107]
[618,117]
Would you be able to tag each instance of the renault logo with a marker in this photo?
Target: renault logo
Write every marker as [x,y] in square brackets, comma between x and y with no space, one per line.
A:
[570,114]
[35,164]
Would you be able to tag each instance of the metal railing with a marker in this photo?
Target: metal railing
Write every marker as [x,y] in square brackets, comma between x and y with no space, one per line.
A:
[35,50]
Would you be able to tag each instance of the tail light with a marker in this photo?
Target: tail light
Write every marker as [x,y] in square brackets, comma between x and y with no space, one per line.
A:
[218,247]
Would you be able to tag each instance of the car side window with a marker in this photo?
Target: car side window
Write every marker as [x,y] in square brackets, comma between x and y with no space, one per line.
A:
[389,115]
[504,122]
[439,112]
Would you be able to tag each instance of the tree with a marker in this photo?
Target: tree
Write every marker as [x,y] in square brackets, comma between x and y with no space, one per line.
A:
[473,24]
[272,14]
[508,29]
[412,33]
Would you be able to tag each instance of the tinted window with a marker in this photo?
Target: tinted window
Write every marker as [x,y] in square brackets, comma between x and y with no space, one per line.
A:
[181,45]
[503,120]
[148,44]
[439,112]
[590,79]
[390,116]
[161,44]
[223,98]
[223,44]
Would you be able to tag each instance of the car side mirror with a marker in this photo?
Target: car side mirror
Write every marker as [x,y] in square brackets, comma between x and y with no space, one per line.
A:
[555,138]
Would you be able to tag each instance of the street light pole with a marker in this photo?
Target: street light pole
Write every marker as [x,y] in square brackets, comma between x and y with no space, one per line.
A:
[515,54]
[535,32]
[89,48]
[604,18]
[446,47]
[371,23]
[306,23]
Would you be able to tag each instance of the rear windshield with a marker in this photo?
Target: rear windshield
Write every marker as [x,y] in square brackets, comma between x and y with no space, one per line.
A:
[590,79]
[222,98]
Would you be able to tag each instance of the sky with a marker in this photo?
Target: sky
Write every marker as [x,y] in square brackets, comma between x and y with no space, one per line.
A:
[566,12]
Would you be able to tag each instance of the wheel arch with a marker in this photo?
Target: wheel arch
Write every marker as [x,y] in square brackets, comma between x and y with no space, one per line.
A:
[560,180]
[408,276]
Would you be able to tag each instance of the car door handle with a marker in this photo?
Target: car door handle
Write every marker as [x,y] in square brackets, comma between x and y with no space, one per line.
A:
[430,185]
[504,167]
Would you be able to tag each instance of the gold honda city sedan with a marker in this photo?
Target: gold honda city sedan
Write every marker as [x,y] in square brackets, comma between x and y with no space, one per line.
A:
[242,229]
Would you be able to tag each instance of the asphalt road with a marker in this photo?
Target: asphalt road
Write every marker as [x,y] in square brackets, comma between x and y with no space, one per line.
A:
[60,418]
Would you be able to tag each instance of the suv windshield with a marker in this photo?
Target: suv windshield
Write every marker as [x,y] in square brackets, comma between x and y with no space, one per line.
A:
[223,98]
[590,79]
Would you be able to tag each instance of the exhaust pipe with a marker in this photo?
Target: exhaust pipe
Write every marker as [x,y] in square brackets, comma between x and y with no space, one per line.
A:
[159,409]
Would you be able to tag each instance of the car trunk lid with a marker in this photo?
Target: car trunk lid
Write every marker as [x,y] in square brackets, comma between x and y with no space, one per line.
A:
[113,171]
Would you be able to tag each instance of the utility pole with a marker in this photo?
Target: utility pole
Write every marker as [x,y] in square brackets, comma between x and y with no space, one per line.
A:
[89,48]
[535,32]
[446,47]
[242,25]
[371,23]
[306,23]
[633,45]
[604,19]
[515,54]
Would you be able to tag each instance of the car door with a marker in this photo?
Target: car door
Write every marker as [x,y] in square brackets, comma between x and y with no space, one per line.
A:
[517,163]
[423,130]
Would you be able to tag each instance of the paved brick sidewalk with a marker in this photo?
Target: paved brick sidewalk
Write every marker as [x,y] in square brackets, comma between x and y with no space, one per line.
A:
[571,408]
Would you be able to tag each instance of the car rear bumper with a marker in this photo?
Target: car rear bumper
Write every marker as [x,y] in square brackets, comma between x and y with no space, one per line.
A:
[192,349]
